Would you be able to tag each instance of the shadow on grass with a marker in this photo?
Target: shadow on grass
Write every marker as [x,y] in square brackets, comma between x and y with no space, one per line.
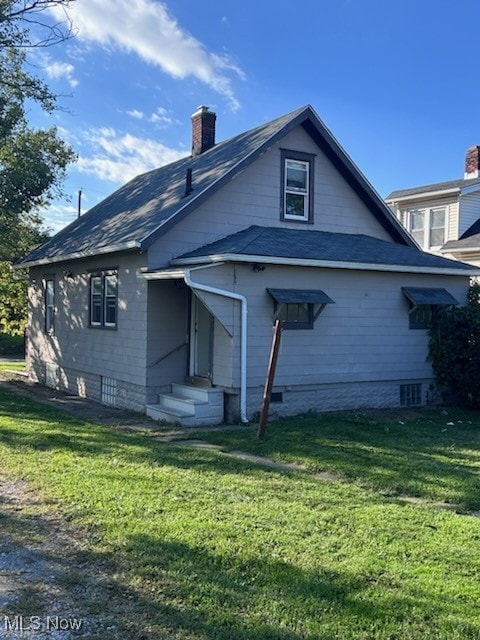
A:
[185,592]
[418,455]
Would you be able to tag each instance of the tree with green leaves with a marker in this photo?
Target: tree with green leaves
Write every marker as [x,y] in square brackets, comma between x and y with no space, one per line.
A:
[33,161]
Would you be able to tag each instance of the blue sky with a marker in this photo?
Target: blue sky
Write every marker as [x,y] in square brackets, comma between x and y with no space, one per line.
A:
[395,80]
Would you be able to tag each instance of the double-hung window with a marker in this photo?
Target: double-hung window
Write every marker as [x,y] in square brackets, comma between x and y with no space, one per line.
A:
[297,186]
[103,299]
[49,305]
[427,226]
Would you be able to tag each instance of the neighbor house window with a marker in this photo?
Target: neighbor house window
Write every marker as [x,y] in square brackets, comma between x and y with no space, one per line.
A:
[103,299]
[49,305]
[297,186]
[427,226]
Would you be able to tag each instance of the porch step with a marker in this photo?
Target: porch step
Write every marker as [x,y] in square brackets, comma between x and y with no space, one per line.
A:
[189,406]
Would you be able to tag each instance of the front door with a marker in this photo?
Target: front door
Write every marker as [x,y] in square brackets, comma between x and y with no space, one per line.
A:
[201,340]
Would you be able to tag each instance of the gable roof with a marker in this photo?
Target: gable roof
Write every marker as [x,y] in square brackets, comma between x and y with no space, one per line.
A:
[469,241]
[139,212]
[321,248]
[449,186]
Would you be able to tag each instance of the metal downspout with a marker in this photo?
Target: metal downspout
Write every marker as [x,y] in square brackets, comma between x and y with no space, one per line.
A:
[243,335]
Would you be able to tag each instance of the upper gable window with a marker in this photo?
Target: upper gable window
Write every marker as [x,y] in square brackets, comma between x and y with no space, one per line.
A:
[297,186]
[427,226]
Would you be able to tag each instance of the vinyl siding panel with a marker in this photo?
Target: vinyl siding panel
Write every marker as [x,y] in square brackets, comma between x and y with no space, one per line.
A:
[469,212]
[117,353]
[363,337]
[452,213]
[253,198]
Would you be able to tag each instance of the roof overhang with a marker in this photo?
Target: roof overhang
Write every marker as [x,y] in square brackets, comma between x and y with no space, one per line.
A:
[422,195]
[323,264]
[79,255]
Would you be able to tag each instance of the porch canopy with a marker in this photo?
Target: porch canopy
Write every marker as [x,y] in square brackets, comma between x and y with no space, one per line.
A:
[300,296]
[429,296]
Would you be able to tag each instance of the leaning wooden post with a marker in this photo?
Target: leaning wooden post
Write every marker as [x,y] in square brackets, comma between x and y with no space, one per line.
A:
[270,377]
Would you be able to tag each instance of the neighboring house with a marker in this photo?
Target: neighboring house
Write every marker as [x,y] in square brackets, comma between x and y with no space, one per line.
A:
[162,297]
[444,218]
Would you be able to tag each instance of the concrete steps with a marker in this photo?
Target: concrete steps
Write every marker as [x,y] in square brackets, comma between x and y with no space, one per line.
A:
[189,406]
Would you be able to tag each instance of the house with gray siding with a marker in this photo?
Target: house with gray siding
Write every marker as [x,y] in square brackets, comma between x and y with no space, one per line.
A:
[162,297]
[444,217]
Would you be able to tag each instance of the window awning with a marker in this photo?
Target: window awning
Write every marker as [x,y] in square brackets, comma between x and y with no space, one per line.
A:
[429,295]
[299,296]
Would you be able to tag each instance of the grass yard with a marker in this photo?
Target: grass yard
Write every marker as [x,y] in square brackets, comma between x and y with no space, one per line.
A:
[12,365]
[203,546]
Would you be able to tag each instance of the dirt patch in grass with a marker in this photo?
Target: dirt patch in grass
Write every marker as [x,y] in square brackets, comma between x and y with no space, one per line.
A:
[50,585]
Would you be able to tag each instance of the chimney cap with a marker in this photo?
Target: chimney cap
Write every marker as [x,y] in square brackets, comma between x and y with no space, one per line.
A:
[201,109]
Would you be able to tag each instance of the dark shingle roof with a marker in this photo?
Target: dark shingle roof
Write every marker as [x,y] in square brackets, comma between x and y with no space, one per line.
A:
[320,246]
[429,188]
[469,240]
[136,214]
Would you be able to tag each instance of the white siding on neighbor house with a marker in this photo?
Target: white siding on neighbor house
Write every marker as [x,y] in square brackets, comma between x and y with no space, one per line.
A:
[363,337]
[253,198]
[469,211]
[451,205]
[114,353]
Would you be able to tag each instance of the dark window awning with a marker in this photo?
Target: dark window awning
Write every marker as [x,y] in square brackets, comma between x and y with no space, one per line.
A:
[429,295]
[299,296]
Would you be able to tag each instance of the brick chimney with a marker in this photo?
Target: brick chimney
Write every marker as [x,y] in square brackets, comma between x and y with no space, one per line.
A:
[203,130]
[472,162]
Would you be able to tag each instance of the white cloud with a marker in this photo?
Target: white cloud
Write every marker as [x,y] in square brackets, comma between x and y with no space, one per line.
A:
[147,28]
[135,113]
[55,69]
[120,157]
[57,216]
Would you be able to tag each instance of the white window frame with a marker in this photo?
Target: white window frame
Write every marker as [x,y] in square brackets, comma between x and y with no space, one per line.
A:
[297,191]
[307,161]
[106,296]
[427,213]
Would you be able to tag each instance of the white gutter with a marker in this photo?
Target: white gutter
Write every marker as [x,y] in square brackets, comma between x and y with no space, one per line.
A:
[243,335]
[327,264]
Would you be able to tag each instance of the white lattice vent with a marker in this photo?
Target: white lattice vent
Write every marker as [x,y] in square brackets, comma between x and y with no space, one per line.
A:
[109,391]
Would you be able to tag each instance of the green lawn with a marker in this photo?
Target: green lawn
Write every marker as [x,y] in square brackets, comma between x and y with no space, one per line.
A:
[12,365]
[202,546]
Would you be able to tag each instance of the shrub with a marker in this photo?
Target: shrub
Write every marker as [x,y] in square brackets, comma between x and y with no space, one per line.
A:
[454,349]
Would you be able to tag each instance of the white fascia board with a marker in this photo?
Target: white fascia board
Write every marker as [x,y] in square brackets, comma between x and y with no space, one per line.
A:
[324,264]
[423,195]
[79,255]
[172,274]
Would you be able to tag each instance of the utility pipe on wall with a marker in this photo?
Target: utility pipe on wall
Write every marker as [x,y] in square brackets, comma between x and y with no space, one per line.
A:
[243,335]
